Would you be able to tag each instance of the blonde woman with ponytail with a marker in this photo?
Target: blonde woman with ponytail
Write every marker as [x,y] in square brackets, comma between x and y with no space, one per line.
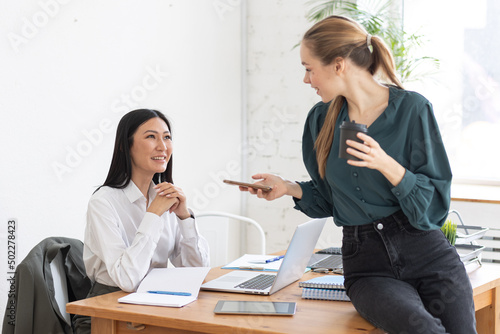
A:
[401,272]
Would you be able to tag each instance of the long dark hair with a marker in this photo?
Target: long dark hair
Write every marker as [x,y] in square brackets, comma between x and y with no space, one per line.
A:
[120,171]
[339,36]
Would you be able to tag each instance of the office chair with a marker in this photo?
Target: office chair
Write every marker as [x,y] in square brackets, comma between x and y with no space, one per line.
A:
[214,226]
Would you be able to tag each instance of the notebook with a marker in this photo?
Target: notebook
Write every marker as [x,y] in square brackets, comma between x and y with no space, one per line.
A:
[324,282]
[325,294]
[178,281]
[294,263]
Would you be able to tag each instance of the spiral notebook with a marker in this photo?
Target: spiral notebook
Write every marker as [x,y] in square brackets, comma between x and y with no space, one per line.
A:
[325,294]
[324,282]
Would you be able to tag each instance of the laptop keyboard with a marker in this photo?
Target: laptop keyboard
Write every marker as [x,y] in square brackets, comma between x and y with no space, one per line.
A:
[331,262]
[330,250]
[259,282]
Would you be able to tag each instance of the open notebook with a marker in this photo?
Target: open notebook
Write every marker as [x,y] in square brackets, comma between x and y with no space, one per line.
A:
[185,280]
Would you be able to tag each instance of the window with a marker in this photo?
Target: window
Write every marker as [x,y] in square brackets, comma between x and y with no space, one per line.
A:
[465,91]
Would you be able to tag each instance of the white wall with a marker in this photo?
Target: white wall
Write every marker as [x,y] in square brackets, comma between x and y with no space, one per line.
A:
[278,103]
[71,69]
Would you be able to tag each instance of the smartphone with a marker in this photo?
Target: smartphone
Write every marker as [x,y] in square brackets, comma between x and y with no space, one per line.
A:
[249,185]
[254,307]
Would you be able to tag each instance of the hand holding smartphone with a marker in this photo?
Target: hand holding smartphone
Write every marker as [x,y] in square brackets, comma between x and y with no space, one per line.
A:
[249,185]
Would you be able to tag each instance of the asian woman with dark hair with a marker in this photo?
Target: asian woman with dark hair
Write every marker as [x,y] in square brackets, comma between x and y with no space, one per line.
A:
[121,164]
[138,219]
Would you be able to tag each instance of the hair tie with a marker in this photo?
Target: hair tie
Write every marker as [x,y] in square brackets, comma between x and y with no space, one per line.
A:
[369,42]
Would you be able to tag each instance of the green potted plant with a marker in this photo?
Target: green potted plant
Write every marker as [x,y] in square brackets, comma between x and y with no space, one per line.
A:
[450,231]
[382,20]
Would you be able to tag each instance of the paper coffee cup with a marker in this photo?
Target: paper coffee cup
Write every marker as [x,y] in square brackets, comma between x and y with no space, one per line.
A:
[349,130]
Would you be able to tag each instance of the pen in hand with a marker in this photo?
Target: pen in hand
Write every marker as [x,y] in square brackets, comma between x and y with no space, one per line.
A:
[173,293]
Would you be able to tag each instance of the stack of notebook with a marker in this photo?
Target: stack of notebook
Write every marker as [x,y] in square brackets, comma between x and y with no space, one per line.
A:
[329,287]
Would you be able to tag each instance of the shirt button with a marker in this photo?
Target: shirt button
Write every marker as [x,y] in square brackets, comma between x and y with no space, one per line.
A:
[362,200]
[380,226]
[398,193]
[355,174]
[358,188]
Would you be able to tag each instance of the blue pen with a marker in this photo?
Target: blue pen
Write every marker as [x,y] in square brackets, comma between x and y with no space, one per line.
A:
[277,258]
[174,293]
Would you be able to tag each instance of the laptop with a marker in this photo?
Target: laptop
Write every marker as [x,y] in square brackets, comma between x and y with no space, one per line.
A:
[328,259]
[292,268]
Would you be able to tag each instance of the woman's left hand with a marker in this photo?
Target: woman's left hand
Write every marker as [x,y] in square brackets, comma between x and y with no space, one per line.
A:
[169,190]
[372,156]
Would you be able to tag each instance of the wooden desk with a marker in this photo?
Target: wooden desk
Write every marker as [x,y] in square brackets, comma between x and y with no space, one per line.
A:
[485,282]
[312,316]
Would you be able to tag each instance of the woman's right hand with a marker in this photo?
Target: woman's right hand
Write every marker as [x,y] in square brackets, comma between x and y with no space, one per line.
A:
[161,204]
[280,187]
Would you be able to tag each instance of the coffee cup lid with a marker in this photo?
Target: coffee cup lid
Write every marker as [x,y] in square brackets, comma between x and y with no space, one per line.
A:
[353,126]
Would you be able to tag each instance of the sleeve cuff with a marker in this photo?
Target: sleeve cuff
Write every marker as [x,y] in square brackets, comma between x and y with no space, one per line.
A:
[301,204]
[188,226]
[404,187]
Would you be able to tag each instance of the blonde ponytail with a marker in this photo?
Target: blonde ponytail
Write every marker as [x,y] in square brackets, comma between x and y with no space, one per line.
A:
[338,36]
[324,141]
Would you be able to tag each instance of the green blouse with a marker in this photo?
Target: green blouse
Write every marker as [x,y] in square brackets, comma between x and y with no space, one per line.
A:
[407,131]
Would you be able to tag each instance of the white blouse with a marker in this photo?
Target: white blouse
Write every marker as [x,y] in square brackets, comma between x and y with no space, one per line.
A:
[123,242]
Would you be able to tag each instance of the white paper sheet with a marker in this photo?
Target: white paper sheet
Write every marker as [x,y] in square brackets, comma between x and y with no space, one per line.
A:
[186,279]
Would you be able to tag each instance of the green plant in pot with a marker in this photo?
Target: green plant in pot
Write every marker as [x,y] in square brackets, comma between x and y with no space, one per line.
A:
[381,19]
[450,231]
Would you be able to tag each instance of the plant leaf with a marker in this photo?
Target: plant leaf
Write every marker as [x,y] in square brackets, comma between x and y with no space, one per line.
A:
[380,20]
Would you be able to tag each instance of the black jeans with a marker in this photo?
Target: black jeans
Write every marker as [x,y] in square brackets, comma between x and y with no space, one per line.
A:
[404,280]
[82,323]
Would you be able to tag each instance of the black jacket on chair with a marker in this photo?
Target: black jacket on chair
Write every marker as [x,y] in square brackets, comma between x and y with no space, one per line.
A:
[31,306]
